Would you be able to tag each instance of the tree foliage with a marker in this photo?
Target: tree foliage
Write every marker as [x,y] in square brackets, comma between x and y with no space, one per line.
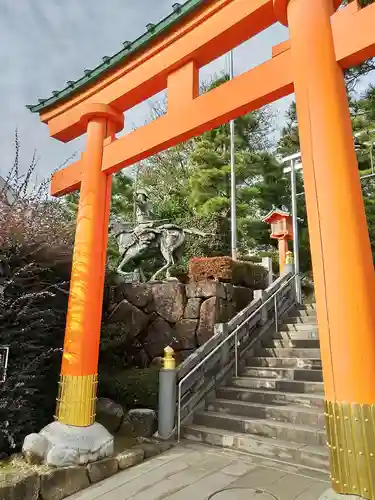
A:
[191,182]
[362,111]
[354,74]
[288,143]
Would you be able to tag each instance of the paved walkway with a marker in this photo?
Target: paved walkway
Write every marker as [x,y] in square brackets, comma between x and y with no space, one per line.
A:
[198,472]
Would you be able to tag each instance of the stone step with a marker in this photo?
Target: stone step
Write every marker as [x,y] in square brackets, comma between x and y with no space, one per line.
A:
[284,373]
[296,335]
[280,385]
[301,364]
[315,457]
[298,327]
[290,352]
[307,307]
[303,312]
[289,344]
[274,398]
[293,414]
[301,317]
[309,319]
[261,427]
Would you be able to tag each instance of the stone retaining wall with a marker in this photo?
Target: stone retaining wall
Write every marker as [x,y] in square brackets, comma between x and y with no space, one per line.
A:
[154,315]
[220,367]
[21,482]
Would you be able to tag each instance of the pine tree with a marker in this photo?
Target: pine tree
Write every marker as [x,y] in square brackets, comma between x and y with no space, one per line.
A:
[260,182]
[122,201]
[363,121]
[289,138]
[122,205]
[165,177]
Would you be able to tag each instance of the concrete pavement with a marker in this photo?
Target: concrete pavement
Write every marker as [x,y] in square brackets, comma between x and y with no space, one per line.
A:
[197,472]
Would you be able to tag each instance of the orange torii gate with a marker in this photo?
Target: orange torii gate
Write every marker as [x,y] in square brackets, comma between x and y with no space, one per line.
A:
[322,43]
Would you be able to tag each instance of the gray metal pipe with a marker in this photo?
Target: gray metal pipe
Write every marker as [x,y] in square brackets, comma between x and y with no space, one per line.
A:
[233,208]
[167,402]
[295,233]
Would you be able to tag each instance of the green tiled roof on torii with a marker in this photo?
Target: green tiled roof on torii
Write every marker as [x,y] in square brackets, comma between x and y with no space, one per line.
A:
[109,63]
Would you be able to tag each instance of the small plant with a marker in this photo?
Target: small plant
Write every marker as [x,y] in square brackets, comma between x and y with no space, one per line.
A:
[179,272]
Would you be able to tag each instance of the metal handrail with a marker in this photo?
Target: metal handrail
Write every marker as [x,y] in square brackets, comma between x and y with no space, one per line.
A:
[232,334]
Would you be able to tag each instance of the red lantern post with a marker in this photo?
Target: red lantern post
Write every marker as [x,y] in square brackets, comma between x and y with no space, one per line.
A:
[281,230]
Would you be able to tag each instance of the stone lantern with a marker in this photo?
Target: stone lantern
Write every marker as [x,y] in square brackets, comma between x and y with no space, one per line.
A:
[281,224]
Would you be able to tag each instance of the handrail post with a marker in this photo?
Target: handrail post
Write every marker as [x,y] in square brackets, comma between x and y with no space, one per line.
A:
[276,314]
[236,354]
[179,413]
[262,296]
[167,395]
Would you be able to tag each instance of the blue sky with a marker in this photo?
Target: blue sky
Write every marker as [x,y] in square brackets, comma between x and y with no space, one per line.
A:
[44,43]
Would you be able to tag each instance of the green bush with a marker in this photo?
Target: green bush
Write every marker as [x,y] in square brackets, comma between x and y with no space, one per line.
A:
[250,258]
[180,272]
[135,388]
[32,322]
[250,275]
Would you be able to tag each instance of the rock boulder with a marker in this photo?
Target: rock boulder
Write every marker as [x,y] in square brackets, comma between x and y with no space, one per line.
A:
[102,469]
[56,484]
[130,457]
[139,294]
[132,318]
[206,289]
[159,335]
[169,300]
[109,414]
[210,312]
[192,308]
[139,423]
[19,486]
[185,333]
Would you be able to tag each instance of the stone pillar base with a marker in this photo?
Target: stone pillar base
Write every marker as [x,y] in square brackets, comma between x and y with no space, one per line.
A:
[62,445]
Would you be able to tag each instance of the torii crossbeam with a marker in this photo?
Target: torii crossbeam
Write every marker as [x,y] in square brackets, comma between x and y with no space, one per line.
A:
[322,43]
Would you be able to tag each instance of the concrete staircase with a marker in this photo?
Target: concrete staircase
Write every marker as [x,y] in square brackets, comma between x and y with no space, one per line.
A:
[275,408]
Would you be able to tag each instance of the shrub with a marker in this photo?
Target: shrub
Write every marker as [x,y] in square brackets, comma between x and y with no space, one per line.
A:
[255,259]
[33,306]
[135,388]
[179,272]
[227,270]
[35,261]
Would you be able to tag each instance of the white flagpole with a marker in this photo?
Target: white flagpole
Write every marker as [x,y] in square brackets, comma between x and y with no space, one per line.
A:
[233,173]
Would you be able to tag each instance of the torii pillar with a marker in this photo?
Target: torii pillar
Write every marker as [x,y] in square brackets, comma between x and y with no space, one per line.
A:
[75,436]
[77,395]
[341,254]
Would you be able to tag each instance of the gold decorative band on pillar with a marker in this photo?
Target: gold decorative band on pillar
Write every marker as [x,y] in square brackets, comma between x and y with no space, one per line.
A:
[351,441]
[77,399]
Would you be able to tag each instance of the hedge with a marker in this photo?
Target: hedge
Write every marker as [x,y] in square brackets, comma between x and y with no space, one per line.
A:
[228,270]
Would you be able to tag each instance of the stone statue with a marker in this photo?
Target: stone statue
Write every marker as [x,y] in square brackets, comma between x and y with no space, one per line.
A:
[144,209]
[148,238]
